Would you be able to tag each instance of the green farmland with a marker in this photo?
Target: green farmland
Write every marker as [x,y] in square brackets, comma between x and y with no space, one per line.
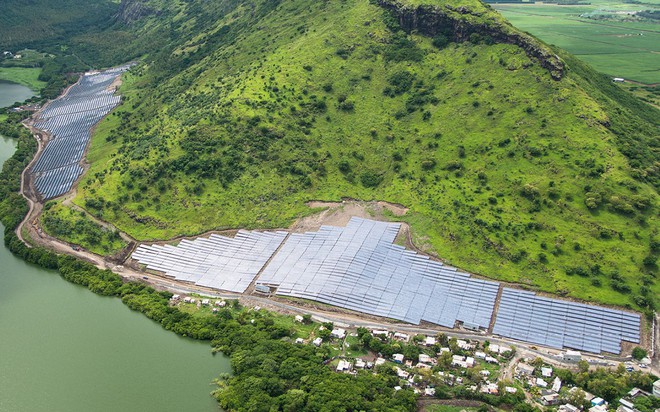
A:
[599,33]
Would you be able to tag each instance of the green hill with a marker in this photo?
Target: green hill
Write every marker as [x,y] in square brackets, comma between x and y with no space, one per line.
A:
[516,164]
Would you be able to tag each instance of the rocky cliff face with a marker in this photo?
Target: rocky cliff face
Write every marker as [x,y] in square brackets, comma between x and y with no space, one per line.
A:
[458,23]
[131,11]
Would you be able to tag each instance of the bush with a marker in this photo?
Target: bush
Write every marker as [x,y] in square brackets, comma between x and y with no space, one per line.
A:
[440,41]
[638,353]
[370,179]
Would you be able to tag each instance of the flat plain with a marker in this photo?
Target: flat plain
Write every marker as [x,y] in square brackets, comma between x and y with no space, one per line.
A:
[600,33]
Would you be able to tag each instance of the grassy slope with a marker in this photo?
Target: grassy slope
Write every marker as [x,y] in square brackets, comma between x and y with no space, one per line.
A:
[76,228]
[529,145]
[26,76]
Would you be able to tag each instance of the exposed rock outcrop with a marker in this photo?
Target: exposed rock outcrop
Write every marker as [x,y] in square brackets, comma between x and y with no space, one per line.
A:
[458,23]
[131,11]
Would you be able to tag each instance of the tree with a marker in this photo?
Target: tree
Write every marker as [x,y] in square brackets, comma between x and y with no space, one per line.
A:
[638,353]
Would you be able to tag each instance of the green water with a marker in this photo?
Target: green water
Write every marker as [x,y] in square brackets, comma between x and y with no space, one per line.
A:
[63,348]
[11,93]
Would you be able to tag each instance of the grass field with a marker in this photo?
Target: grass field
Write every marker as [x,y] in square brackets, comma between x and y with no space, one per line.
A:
[26,76]
[617,46]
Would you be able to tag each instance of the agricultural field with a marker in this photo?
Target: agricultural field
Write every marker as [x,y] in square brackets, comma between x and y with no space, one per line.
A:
[601,33]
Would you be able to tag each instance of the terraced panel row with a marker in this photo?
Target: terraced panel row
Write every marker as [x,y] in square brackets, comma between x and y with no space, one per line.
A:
[69,119]
[360,268]
[558,323]
[218,262]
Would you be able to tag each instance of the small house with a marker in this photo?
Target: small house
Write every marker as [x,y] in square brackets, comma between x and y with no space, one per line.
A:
[343,365]
[360,364]
[220,303]
[490,359]
[572,356]
[299,341]
[556,384]
[401,336]
[397,357]
[525,369]
[541,383]
[510,389]
[429,391]
[317,341]
[480,355]
[338,333]
[597,402]
[550,399]
[546,372]
[424,358]
[429,341]
[205,302]
[567,407]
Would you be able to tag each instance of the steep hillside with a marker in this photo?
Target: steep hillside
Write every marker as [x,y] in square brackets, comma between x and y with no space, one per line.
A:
[37,23]
[513,165]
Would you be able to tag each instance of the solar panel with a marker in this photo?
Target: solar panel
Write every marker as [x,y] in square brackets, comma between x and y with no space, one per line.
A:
[68,119]
[568,324]
[218,262]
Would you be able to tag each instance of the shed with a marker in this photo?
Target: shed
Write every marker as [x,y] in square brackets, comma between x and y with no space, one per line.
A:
[262,289]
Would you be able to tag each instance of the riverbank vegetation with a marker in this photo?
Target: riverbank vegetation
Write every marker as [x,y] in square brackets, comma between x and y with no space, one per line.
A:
[507,173]
[28,77]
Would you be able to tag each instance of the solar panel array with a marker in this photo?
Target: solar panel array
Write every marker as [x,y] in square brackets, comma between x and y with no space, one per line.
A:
[218,262]
[358,267]
[560,324]
[69,120]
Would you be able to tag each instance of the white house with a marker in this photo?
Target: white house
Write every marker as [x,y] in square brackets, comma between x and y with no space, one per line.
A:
[298,318]
[338,333]
[546,372]
[398,357]
[556,384]
[572,356]
[343,365]
[430,341]
[317,341]
[424,358]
